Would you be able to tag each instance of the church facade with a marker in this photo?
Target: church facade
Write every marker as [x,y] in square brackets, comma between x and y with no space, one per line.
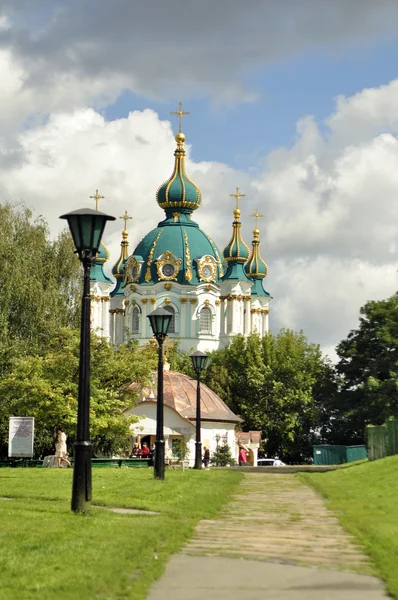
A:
[212,295]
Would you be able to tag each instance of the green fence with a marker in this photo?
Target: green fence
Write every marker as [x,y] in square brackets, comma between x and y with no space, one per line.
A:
[328,454]
[382,440]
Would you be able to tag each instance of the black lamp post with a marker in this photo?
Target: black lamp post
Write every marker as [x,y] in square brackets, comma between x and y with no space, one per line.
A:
[199,360]
[160,321]
[86,226]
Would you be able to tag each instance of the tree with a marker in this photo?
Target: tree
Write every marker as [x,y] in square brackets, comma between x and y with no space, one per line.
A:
[45,386]
[271,384]
[40,283]
[369,369]
[222,456]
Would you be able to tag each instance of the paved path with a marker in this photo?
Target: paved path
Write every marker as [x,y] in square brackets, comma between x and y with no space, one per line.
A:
[276,538]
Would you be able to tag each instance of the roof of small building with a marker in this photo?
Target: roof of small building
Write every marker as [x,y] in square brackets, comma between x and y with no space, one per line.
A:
[179,392]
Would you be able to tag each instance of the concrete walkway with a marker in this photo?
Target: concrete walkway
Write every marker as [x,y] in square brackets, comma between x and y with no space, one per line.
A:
[275,540]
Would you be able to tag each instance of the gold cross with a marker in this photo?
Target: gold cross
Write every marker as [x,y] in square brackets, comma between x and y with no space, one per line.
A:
[257,216]
[180,113]
[126,218]
[97,197]
[237,195]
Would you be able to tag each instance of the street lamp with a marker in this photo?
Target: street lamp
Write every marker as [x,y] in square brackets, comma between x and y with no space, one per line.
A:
[86,226]
[160,321]
[199,360]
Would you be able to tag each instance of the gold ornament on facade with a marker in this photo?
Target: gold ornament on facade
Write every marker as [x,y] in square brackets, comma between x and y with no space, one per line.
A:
[207,302]
[168,265]
[144,300]
[207,268]
[176,216]
[188,261]
[167,301]
[133,288]
[152,300]
[127,302]
[106,299]
[167,286]
[132,271]
[193,300]
[150,257]
[219,261]
[218,302]
[183,300]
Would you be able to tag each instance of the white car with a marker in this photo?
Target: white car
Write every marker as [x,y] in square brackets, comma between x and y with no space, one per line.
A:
[270,462]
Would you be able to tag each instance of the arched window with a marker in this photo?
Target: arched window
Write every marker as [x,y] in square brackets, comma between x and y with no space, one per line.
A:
[135,320]
[205,320]
[172,326]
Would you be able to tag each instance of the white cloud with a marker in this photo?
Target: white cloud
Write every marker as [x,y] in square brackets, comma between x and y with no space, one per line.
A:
[329,236]
[67,55]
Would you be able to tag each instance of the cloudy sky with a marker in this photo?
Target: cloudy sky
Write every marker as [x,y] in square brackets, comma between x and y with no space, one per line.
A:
[295,102]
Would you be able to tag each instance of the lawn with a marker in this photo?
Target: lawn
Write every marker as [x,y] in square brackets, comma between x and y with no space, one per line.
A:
[47,552]
[365,498]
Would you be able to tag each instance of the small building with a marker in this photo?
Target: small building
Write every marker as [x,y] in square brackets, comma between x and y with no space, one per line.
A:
[218,423]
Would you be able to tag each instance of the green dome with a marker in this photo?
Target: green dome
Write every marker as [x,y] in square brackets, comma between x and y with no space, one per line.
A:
[255,267]
[179,191]
[177,250]
[97,270]
[236,251]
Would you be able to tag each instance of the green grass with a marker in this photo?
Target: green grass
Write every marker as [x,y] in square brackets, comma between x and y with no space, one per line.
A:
[47,552]
[365,499]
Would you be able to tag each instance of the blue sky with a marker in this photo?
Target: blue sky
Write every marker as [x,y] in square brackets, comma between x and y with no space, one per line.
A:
[241,134]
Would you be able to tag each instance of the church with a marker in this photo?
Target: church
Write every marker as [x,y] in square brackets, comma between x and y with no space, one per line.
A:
[212,295]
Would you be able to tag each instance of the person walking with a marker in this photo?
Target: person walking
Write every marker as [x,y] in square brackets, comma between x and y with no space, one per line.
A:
[61,451]
[242,457]
[206,457]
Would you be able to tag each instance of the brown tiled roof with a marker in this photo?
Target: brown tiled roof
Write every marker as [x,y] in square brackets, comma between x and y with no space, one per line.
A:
[179,392]
[249,437]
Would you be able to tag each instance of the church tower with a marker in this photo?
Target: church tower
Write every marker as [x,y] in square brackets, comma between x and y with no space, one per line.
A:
[212,296]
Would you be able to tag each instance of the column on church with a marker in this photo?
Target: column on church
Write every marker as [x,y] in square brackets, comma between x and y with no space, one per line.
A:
[192,303]
[230,315]
[105,316]
[184,332]
[112,325]
[144,319]
[241,304]
[222,316]
[247,315]
[266,322]
[150,309]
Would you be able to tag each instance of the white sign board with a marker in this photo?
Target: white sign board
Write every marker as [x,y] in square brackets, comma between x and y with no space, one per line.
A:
[20,437]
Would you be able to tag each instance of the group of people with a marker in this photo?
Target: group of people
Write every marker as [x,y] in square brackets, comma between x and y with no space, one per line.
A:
[142,452]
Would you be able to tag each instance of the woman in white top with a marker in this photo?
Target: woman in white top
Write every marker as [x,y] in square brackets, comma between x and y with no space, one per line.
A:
[61,451]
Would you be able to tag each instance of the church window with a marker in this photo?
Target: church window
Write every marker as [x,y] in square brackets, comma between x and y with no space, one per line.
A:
[135,325]
[172,326]
[205,320]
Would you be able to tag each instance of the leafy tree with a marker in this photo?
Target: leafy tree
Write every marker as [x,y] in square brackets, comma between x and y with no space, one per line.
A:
[369,369]
[272,385]
[222,456]
[45,386]
[40,283]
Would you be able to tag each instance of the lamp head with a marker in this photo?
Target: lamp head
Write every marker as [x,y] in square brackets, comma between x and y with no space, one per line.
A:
[159,320]
[199,361]
[87,226]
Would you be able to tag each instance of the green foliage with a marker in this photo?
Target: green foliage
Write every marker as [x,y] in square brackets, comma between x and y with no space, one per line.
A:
[222,456]
[40,283]
[53,553]
[275,386]
[45,386]
[364,497]
[368,367]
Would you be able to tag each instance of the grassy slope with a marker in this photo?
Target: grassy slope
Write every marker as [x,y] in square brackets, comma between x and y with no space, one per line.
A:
[365,498]
[46,551]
